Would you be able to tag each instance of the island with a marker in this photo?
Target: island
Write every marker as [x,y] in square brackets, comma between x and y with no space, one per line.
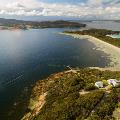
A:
[20,24]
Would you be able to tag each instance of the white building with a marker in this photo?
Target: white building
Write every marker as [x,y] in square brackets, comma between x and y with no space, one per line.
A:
[113,82]
[99,84]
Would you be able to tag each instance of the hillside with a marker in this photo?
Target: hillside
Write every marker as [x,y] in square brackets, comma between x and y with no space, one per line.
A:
[72,95]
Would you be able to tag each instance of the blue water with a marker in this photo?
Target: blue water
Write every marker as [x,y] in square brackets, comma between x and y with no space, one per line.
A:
[28,56]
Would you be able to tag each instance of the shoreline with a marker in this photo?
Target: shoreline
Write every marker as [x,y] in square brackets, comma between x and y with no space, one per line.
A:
[113,52]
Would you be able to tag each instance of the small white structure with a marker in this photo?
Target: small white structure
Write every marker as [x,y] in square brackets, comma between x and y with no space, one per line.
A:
[113,82]
[99,84]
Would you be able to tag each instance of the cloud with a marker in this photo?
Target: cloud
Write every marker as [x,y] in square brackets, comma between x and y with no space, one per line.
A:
[104,9]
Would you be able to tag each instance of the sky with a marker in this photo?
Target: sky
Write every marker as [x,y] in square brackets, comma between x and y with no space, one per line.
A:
[82,9]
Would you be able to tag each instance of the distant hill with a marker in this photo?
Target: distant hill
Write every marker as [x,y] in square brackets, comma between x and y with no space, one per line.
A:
[20,24]
[6,21]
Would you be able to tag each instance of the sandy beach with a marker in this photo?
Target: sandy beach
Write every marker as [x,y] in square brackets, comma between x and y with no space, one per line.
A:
[113,52]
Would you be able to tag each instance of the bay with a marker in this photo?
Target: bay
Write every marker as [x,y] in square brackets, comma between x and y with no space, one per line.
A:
[31,55]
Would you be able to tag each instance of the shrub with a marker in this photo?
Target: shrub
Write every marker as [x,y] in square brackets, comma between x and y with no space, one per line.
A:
[90,86]
[105,83]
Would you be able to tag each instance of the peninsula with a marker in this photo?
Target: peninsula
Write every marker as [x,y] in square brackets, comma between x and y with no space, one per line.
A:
[73,96]
[101,34]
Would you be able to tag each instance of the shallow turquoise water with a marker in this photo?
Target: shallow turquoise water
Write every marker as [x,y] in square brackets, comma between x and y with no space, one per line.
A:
[115,36]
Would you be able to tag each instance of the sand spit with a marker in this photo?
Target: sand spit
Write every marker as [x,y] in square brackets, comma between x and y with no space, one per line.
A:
[113,52]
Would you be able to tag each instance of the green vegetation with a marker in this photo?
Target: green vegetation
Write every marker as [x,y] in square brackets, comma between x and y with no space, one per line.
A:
[90,86]
[105,83]
[100,34]
[105,109]
[65,101]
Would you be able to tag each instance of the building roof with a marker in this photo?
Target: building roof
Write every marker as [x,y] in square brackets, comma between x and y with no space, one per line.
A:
[112,80]
[99,84]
